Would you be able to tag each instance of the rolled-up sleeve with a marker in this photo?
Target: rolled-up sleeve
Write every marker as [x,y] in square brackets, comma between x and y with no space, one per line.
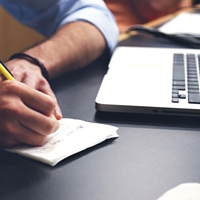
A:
[47,17]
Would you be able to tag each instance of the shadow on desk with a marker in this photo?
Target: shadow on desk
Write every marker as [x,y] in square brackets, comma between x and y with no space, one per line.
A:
[147,40]
[149,120]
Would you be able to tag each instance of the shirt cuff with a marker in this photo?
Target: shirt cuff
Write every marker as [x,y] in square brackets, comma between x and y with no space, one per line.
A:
[104,21]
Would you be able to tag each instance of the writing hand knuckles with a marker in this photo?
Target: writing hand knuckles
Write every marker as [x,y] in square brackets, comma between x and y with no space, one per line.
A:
[50,104]
[11,109]
[43,81]
[44,86]
[17,75]
[50,127]
[7,128]
[38,141]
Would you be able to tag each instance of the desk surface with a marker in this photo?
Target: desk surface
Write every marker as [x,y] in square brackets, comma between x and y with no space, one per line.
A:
[151,155]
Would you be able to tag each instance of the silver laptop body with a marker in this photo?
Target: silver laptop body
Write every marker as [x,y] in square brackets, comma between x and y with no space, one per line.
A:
[151,80]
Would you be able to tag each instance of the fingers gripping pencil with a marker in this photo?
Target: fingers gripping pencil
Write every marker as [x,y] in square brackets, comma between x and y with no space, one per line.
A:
[5,74]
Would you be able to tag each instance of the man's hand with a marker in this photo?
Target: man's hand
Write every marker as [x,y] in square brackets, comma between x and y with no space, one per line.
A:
[26,115]
[30,74]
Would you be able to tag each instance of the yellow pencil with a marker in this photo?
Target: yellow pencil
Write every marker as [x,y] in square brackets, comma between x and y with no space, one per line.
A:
[5,74]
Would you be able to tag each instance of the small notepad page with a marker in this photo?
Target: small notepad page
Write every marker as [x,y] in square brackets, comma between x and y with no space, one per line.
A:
[72,137]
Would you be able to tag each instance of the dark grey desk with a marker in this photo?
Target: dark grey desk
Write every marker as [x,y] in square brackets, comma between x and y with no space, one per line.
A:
[152,154]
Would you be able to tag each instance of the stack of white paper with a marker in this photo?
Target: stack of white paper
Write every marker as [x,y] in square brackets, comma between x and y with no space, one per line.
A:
[73,136]
[185,23]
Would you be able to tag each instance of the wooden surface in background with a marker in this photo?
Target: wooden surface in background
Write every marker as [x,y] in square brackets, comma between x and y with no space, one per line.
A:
[14,37]
[158,21]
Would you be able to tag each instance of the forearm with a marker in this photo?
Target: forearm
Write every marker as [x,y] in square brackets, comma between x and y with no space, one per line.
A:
[73,46]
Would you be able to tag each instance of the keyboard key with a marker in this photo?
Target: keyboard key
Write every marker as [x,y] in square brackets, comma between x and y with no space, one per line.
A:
[182,96]
[175,100]
[178,84]
[193,80]
[175,91]
[193,91]
[178,73]
[194,98]
[193,83]
[178,87]
[193,87]
[175,95]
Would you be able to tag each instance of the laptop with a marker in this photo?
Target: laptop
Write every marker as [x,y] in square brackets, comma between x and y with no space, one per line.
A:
[151,81]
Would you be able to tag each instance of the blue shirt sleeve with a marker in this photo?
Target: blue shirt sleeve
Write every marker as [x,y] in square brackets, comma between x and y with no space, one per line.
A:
[47,16]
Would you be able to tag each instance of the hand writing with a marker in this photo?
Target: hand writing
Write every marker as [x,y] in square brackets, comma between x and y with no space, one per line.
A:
[30,74]
[26,115]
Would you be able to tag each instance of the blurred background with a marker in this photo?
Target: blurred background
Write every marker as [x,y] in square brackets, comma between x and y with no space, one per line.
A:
[14,37]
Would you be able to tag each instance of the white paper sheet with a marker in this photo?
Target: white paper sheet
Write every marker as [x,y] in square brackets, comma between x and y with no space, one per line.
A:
[185,23]
[185,191]
[73,136]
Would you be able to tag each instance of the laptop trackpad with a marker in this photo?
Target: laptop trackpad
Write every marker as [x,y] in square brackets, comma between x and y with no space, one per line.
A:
[136,85]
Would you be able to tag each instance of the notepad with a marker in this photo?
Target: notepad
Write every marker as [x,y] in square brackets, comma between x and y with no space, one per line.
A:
[72,137]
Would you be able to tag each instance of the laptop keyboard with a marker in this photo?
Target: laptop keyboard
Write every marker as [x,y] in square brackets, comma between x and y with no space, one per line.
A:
[190,82]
